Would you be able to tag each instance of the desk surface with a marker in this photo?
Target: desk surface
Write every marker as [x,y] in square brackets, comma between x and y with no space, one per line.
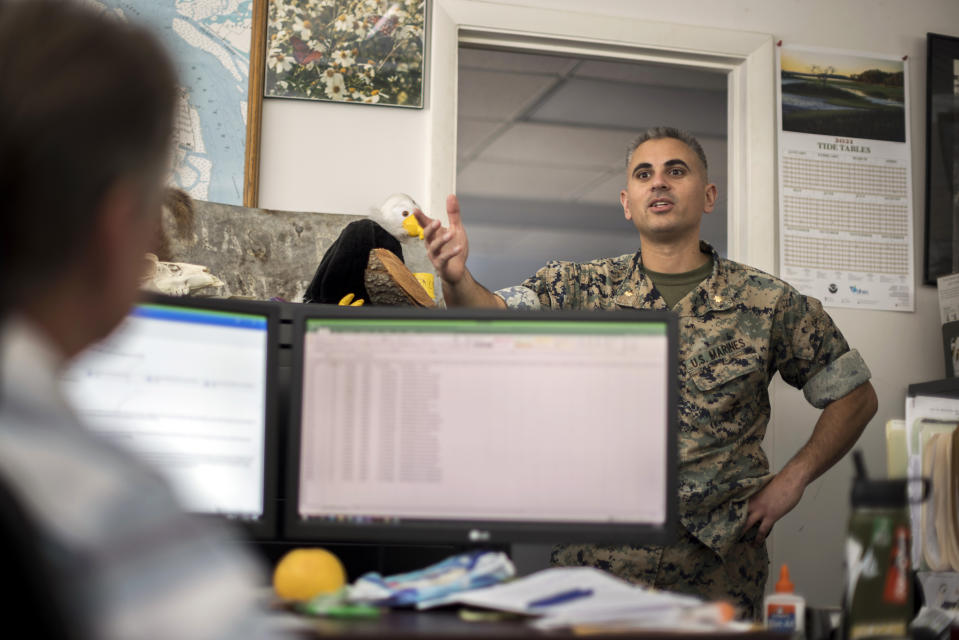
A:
[447,624]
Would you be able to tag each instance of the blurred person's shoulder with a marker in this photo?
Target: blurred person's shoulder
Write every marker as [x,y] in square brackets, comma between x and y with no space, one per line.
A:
[113,530]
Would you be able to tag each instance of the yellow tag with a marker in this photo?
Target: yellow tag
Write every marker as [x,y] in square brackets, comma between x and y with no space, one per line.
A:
[426,279]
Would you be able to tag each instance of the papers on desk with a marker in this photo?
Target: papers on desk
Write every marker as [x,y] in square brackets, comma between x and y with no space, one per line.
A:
[590,598]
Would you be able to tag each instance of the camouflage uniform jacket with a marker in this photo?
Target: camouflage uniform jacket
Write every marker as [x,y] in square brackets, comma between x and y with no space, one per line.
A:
[736,330]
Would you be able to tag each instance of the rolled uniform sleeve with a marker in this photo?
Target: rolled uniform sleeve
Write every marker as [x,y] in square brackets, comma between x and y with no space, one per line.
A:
[520,297]
[811,353]
[570,285]
[536,292]
[837,379]
[545,289]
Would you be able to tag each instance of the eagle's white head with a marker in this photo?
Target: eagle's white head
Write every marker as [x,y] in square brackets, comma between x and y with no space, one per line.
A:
[396,216]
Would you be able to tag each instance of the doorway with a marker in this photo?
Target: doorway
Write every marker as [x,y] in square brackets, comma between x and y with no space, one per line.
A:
[541,145]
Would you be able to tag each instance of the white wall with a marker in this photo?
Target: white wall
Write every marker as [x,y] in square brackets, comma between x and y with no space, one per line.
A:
[339,158]
[343,158]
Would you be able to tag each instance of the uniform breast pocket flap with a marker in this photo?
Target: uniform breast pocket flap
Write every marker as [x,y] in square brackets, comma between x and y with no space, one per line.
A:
[720,372]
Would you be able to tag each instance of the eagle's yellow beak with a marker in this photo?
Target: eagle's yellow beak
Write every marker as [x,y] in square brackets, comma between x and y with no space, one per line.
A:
[412,226]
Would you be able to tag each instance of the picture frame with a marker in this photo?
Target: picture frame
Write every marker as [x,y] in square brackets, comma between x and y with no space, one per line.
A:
[352,51]
[254,114]
[950,347]
[942,157]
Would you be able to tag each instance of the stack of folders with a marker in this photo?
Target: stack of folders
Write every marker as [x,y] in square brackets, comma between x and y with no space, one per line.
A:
[940,463]
[932,408]
[588,599]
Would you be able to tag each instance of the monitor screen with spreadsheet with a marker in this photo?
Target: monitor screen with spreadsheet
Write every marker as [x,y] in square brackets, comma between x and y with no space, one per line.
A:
[482,426]
[188,385]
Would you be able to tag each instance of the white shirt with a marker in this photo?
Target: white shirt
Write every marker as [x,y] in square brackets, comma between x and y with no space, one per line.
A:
[29,365]
[138,565]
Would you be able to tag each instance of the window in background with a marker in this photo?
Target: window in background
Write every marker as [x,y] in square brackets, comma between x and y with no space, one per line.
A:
[541,153]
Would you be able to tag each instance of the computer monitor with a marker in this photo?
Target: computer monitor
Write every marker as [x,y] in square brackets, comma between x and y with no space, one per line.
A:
[189,384]
[482,427]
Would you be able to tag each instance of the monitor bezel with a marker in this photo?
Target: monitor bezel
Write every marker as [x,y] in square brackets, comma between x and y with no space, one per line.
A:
[475,532]
[265,527]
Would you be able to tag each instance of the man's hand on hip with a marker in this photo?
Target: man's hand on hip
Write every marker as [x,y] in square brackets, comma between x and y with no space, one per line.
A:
[838,428]
[771,503]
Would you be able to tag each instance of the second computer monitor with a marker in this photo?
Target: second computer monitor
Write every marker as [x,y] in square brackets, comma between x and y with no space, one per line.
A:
[475,427]
[189,385]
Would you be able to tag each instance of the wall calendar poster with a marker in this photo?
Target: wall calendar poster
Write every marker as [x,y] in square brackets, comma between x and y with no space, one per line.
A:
[845,178]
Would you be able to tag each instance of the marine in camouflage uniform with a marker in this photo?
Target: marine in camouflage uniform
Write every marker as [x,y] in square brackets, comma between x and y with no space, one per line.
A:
[736,330]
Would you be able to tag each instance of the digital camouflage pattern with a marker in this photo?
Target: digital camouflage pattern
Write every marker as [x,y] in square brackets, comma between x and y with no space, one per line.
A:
[686,566]
[736,330]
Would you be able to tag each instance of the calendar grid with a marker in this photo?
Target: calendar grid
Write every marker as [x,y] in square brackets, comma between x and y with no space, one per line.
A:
[843,177]
[847,255]
[889,219]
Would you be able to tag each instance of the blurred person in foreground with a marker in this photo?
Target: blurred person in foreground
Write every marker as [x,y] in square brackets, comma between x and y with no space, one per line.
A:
[86,116]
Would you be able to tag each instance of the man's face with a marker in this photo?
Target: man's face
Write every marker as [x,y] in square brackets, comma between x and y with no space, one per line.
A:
[666,191]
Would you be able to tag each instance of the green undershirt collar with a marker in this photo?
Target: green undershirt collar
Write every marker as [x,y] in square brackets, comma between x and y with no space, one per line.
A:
[674,286]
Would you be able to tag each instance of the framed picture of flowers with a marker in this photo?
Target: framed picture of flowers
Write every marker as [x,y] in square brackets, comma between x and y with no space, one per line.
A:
[363,51]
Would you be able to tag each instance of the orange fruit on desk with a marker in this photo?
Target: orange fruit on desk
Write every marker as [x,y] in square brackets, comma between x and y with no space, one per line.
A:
[302,574]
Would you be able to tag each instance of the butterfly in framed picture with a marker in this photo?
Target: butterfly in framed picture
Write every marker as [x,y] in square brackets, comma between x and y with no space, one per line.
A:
[302,52]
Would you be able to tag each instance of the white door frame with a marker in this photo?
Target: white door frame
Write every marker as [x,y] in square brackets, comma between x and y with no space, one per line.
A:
[747,57]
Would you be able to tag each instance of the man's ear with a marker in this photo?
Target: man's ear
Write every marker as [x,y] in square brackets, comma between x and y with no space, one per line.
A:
[113,228]
[624,200]
[711,194]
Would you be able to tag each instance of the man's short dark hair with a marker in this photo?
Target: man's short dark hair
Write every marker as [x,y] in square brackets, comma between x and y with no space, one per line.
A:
[85,99]
[657,133]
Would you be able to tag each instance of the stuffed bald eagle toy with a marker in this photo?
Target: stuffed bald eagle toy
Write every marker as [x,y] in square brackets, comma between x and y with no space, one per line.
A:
[341,276]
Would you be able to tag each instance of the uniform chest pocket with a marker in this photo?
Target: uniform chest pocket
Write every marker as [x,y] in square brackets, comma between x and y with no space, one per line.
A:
[717,374]
[721,399]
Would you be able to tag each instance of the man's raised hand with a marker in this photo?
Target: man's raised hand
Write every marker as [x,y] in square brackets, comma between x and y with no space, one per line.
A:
[447,248]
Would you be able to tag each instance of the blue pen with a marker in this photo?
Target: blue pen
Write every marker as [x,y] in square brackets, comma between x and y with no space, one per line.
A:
[562,596]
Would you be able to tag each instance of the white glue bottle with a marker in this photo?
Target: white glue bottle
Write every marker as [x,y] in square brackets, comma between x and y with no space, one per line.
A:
[784,610]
